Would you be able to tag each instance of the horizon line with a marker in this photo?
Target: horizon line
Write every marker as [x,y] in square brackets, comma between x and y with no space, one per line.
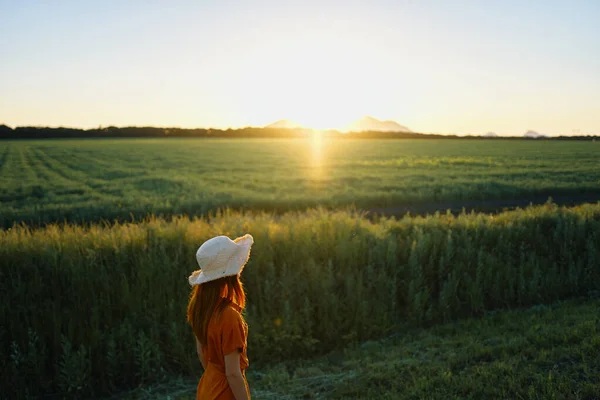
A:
[101,127]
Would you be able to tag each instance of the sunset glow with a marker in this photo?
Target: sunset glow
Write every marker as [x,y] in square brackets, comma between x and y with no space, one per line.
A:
[433,66]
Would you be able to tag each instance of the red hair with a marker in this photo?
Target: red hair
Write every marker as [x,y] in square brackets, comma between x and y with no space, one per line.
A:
[212,297]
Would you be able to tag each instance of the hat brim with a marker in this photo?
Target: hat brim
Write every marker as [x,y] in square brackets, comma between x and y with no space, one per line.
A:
[235,264]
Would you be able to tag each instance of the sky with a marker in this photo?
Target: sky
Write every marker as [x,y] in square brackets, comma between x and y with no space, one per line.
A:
[466,67]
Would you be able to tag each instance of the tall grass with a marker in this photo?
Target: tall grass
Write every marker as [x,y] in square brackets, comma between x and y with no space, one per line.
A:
[92,310]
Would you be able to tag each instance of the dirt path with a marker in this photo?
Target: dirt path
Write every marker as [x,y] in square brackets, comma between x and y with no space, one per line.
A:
[486,206]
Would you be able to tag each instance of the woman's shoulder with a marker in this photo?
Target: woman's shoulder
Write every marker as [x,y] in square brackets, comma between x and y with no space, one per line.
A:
[231,314]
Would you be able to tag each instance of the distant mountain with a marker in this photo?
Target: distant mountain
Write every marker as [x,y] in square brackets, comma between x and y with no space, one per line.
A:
[373,124]
[533,135]
[284,123]
[490,134]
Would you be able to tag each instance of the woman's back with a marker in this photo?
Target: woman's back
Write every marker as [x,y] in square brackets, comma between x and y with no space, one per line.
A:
[227,333]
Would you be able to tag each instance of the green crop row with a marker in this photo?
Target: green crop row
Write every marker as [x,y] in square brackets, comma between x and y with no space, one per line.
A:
[90,180]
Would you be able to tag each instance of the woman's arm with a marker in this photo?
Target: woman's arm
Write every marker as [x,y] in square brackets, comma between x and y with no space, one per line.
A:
[200,354]
[234,376]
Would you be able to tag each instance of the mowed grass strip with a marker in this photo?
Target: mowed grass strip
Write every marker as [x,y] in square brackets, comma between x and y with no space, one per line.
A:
[544,352]
[90,180]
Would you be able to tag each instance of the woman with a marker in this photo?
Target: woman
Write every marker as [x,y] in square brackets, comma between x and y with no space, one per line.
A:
[214,312]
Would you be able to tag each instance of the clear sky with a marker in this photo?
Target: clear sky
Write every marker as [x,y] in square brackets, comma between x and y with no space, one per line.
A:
[434,66]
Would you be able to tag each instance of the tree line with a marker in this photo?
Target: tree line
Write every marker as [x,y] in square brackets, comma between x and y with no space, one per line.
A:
[36,132]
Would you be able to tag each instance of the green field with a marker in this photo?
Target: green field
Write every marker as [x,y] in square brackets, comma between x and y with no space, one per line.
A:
[97,309]
[87,180]
[544,352]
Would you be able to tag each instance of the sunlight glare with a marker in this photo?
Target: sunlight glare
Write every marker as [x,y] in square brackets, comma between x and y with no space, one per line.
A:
[316,151]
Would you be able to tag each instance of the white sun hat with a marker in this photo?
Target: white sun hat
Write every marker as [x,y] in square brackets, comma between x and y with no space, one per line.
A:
[220,257]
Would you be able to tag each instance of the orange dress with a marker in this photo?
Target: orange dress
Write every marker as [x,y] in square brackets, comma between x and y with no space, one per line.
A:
[226,334]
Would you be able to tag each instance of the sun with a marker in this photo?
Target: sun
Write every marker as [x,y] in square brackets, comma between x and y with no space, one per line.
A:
[320,121]
[321,114]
